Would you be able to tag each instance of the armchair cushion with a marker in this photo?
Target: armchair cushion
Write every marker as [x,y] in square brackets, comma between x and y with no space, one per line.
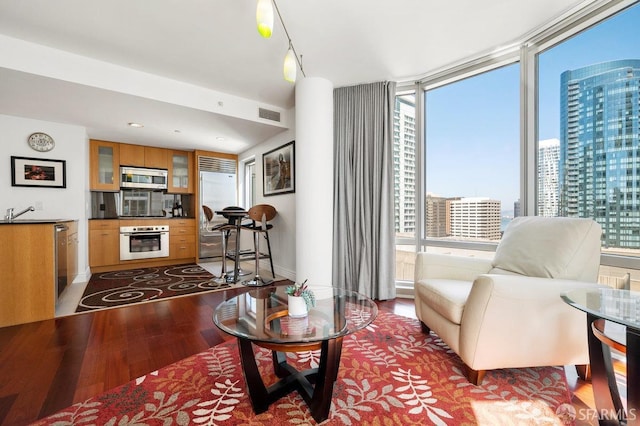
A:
[447,297]
[550,248]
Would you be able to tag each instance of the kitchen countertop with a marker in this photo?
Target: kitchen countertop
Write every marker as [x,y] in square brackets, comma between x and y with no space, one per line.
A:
[33,221]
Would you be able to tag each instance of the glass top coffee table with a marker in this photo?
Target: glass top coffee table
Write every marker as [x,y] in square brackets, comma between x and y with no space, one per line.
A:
[260,317]
[621,307]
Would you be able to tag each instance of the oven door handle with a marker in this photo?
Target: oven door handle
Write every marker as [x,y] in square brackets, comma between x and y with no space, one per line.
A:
[135,234]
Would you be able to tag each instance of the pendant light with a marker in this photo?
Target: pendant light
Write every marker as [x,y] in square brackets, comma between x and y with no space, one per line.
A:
[290,66]
[264,18]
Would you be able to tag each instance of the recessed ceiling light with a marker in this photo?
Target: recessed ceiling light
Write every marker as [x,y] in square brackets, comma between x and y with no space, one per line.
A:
[137,125]
[220,139]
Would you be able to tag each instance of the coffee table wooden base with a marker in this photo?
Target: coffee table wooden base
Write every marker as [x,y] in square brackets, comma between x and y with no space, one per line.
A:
[315,385]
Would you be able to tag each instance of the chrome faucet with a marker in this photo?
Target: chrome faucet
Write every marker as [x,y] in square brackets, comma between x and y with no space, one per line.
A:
[10,216]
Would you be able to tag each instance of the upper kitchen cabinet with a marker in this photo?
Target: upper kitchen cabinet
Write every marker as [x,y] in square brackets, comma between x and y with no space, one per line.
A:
[143,156]
[131,155]
[180,172]
[155,157]
[104,165]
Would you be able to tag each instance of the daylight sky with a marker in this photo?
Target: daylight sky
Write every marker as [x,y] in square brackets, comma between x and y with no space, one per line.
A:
[473,125]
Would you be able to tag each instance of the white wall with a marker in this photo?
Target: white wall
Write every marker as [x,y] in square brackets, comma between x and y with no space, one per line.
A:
[283,234]
[71,145]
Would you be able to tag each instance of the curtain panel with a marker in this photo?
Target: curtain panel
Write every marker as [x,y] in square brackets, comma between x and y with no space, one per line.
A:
[363,222]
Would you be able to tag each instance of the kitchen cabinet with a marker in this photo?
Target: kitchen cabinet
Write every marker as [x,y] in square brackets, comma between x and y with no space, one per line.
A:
[143,156]
[104,243]
[29,270]
[182,239]
[180,172]
[104,163]
[155,157]
[131,155]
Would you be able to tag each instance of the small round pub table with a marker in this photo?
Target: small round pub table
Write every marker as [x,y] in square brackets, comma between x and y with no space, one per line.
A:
[260,317]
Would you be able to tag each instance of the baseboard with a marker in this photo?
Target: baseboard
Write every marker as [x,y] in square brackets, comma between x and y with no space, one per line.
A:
[83,277]
[283,272]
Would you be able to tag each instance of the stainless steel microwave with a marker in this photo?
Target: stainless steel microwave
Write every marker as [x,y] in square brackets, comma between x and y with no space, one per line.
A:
[138,177]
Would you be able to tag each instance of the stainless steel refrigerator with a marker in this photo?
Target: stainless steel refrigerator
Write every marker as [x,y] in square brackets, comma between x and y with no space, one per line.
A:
[217,191]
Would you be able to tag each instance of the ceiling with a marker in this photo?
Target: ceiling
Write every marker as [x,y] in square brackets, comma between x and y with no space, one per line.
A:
[194,72]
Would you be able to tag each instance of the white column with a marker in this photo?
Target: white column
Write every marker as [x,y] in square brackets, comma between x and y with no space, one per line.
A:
[314,180]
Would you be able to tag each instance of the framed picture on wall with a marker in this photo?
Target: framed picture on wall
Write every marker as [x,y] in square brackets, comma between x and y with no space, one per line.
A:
[38,172]
[278,170]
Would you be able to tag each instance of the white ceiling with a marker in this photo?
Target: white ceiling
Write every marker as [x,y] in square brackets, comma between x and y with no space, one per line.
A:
[200,67]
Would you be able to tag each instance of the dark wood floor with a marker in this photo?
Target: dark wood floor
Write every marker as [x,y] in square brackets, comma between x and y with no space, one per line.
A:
[49,365]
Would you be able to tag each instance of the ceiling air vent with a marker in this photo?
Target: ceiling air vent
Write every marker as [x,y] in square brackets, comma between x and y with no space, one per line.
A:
[268,114]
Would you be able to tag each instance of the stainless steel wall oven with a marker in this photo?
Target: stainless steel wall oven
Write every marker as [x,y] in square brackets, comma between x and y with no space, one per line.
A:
[144,242]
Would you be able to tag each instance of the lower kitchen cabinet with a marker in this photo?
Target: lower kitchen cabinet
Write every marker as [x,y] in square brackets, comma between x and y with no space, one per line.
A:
[104,243]
[182,239]
[28,267]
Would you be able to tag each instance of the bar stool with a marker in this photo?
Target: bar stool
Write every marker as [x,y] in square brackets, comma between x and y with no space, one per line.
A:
[260,215]
[225,229]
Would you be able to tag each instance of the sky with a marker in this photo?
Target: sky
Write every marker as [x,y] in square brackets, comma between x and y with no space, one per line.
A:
[472,126]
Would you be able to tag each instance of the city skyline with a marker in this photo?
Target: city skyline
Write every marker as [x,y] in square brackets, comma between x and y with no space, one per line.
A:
[479,138]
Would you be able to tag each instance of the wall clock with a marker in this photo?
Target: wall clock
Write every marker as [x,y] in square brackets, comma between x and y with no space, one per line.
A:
[41,142]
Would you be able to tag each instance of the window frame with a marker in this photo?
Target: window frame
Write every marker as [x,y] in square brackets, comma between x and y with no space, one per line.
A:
[524,52]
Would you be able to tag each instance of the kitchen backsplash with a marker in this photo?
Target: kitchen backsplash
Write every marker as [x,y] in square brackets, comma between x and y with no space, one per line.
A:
[139,203]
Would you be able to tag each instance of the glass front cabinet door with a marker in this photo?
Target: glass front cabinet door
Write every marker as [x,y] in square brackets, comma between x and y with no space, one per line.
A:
[104,163]
[180,172]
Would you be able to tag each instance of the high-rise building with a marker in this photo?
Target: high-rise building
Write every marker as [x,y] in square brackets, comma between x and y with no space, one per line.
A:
[548,185]
[404,164]
[436,218]
[599,168]
[476,218]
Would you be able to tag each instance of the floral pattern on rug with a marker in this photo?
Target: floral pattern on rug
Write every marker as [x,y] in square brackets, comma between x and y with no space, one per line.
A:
[390,374]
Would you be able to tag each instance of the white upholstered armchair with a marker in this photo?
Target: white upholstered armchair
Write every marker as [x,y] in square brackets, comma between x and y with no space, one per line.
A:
[507,312]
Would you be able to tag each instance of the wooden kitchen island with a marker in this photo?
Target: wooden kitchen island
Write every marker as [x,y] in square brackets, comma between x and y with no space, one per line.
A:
[28,270]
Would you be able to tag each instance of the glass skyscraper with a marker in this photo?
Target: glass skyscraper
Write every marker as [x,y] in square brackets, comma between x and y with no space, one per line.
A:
[599,166]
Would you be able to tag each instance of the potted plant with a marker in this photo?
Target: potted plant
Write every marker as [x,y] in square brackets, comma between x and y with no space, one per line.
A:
[300,299]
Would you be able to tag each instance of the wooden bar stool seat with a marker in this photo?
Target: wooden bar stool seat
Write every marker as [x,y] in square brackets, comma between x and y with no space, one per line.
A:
[260,215]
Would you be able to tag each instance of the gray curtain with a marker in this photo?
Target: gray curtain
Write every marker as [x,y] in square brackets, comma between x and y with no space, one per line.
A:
[363,223]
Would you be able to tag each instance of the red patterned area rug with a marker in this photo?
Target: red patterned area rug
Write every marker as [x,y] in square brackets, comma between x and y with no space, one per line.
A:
[390,374]
[118,288]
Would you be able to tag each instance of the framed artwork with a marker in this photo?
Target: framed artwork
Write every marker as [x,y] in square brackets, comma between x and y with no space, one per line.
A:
[38,172]
[278,170]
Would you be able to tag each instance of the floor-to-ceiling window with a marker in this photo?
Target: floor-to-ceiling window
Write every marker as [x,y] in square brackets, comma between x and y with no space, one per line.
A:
[589,134]
[485,153]
[470,164]
[472,181]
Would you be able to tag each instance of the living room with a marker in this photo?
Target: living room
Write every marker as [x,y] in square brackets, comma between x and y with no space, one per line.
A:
[458,60]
